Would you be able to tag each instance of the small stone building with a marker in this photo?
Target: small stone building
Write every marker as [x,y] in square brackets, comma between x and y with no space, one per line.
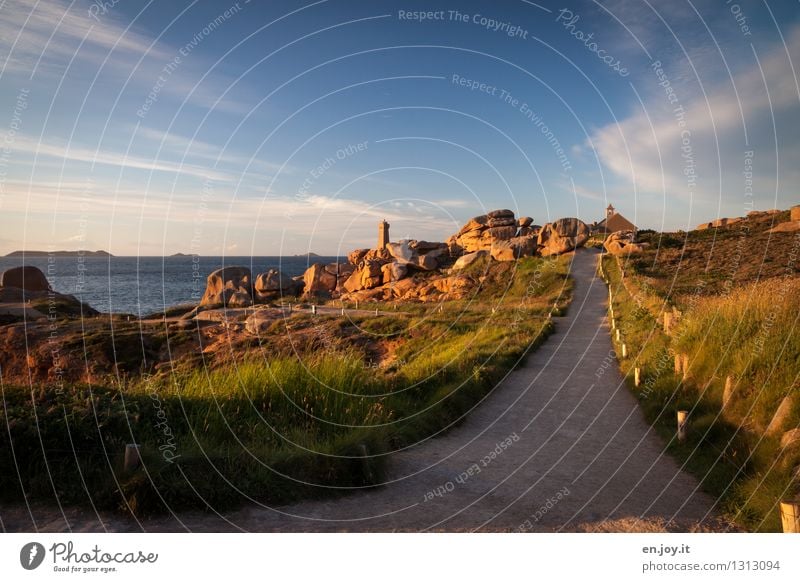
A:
[613,222]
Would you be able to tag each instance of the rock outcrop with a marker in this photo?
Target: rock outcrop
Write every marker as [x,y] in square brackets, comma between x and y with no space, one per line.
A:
[514,248]
[273,285]
[480,233]
[318,282]
[27,278]
[366,276]
[623,242]
[229,286]
[393,272]
[466,260]
[562,236]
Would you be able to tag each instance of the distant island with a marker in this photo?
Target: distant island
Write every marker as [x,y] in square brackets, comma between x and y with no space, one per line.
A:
[59,253]
[307,255]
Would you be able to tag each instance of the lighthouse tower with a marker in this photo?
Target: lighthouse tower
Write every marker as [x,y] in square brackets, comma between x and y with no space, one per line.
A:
[383,234]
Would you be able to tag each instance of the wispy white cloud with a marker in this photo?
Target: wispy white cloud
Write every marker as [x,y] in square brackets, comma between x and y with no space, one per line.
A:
[76,153]
[652,152]
[43,36]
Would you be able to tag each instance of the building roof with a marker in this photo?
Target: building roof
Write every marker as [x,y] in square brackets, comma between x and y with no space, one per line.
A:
[614,223]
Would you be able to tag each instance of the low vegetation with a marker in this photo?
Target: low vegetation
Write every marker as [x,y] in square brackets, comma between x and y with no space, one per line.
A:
[749,334]
[317,417]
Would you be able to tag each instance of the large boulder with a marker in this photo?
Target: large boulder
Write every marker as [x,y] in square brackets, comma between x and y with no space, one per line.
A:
[495,222]
[426,263]
[794,213]
[424,247]
[224,283]
[273,285]
[239,299]
[26,277]
[466,260]
[622,242]
[562,236]
[356,256]
[367,276]
[476,223]
[318,281]
[482,232]
[421,256]
[392,272]
[455,286]
[499,233]
[402,252]
[792,226]
[512,249]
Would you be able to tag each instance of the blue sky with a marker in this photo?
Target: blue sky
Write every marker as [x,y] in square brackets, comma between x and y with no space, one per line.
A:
[285,127]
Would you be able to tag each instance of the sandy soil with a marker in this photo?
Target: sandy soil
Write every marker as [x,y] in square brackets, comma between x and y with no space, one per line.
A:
[576,455]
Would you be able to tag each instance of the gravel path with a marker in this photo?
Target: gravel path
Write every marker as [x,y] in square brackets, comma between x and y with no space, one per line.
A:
[556,447]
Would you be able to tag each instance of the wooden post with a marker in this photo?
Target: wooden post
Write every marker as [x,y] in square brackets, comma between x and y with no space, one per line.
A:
[637,376]
[678,363]
[342,310]
[617,334]
[133,457]
[780,417]
[356,303]
[613,323]
[364,453]
[376,311]
[685,366]
[790,516]
[667,322]
[683,424]
[727,394]
[624,351]
[313,310]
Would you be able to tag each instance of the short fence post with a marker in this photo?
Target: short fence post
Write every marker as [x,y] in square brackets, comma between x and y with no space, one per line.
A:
[342,310]
[637,376]
[313,310]
[364,453]
[376,311]
[624,351]
[685,366]
[780,417]
[613,323]
[683,422]
[678,363]
[617,334]
[728,392]
[356,303]
[667,322]
[790,516]
[133,457]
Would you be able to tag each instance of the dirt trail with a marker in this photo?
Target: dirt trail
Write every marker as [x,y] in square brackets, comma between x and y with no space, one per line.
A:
[574,433]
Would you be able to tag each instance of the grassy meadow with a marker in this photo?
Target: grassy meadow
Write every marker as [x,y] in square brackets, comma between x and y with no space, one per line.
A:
[749,334]
[317,418]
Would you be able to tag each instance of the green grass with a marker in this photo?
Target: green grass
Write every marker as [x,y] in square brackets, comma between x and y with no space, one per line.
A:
[750,334]
[277,428]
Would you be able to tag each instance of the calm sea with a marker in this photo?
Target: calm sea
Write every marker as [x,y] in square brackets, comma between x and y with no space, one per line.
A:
[143,285]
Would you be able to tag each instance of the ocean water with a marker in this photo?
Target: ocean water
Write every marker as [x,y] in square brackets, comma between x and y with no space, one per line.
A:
[144,285]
